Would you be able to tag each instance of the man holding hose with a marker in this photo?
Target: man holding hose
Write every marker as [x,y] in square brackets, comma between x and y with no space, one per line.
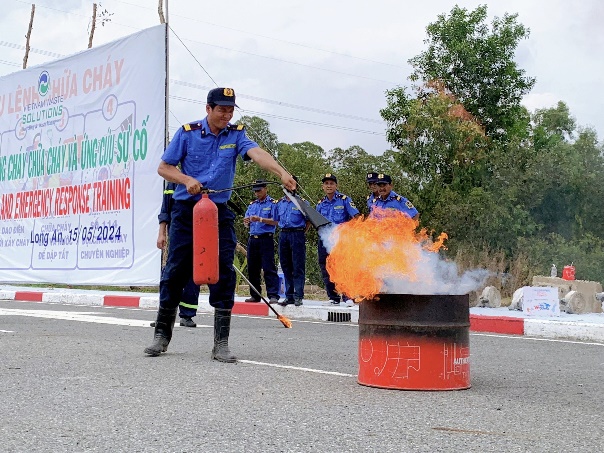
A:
[207,152]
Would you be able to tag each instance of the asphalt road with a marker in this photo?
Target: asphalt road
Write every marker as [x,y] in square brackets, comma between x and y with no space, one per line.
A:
[75,379]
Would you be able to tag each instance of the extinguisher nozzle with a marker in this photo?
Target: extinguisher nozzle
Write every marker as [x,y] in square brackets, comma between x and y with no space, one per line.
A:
[285,321]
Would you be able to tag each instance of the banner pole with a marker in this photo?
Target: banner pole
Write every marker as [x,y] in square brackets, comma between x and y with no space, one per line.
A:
[167,91]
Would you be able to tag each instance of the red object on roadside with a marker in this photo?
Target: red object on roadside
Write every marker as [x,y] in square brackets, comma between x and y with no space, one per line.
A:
[205,241]
[568,273]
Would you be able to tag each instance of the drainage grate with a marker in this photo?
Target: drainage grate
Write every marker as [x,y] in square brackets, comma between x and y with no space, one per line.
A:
[338,316]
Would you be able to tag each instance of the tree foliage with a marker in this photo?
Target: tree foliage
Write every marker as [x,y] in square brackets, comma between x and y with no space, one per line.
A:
[476,63]
[524,188]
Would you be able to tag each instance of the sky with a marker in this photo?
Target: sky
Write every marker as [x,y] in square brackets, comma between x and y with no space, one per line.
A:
[316,70]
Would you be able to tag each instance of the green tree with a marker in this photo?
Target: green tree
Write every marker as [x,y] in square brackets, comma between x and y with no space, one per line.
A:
[475,62]
[258,130]
[351,167]
[307,161]
[441,149]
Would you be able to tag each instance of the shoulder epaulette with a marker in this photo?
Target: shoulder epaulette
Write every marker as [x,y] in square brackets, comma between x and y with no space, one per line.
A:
[252,202]
[192,126]
[368,197]
[275,201]
[235,127]
[320,201]
[342,196]
[398,198]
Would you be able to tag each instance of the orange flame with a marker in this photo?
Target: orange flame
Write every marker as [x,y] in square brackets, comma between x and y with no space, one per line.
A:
[368,250]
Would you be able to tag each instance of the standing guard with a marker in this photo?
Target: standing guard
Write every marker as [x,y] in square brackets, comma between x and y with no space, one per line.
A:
[338,208]
[292,249]
[260,219]
[389,199]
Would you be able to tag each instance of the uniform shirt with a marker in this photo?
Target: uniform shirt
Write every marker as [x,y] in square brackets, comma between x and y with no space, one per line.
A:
[267,209]
[209,158]
[288,214]
[396,202]
[370,199]
[166,203]
[339,210]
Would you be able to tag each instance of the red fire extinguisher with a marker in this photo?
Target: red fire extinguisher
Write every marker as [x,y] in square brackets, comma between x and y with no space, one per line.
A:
[568,273]
[205,241]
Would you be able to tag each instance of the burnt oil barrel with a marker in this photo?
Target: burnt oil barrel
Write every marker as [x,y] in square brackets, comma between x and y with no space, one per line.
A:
[415,342]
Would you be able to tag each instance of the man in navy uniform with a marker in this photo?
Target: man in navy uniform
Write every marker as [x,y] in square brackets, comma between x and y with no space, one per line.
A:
[187,309]
[292,249]
[260,219]
[337,208]
[207,152]
[372,184]
[389,199]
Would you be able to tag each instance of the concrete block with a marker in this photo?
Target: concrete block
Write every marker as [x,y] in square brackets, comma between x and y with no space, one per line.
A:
[583,302]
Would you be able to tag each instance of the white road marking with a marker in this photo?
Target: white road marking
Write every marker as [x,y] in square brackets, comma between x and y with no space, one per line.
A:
[139,323]
[297,368]
[521,337]
[78,316]
[7,331]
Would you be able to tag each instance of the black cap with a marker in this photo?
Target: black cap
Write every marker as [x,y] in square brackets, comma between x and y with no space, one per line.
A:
[372,177]
[329,177]
[222,96]
[384,178]
[259,184]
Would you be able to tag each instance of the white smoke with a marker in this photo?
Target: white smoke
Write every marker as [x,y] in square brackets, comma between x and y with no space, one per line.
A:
[435,275]
[329,236]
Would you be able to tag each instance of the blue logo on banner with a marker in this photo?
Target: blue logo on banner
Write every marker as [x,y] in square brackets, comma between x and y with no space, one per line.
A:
[43,83]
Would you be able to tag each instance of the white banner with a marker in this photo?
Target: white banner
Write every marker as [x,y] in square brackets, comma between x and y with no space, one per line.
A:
[541,301]
[80,142]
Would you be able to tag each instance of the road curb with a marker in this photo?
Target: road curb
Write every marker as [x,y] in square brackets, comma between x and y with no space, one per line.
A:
[512,324]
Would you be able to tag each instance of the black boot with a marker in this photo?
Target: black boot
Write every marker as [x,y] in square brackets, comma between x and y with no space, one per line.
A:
[222,328]
[163,331]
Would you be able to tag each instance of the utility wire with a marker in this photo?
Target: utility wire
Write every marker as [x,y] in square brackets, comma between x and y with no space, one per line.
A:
[112,22]
[191,53]
[280,103]
[312,123]
[294,63]
[270,151]
[306,46]
[31,49]
[286,118]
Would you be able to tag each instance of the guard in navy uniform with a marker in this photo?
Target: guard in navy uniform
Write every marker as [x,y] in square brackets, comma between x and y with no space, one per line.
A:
[292,250]
[389,199]
[190,295]
[207,152]
[372,184]
[337,208]
[260,219]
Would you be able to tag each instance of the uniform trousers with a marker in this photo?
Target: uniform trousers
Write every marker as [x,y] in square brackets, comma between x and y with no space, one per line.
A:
[261,256]
[179,266]
[330,287]
[189,300]
[292,256]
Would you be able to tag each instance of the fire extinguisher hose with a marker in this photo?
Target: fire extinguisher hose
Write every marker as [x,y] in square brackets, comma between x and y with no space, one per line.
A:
[285,321]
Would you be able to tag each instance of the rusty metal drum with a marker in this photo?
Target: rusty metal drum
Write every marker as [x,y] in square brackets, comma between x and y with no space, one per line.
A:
[415,342]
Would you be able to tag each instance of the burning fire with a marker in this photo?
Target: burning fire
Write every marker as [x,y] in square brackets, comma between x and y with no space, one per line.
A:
[367,252]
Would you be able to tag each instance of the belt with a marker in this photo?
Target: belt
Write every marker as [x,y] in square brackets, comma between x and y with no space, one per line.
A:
[293,229]
[258,236]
